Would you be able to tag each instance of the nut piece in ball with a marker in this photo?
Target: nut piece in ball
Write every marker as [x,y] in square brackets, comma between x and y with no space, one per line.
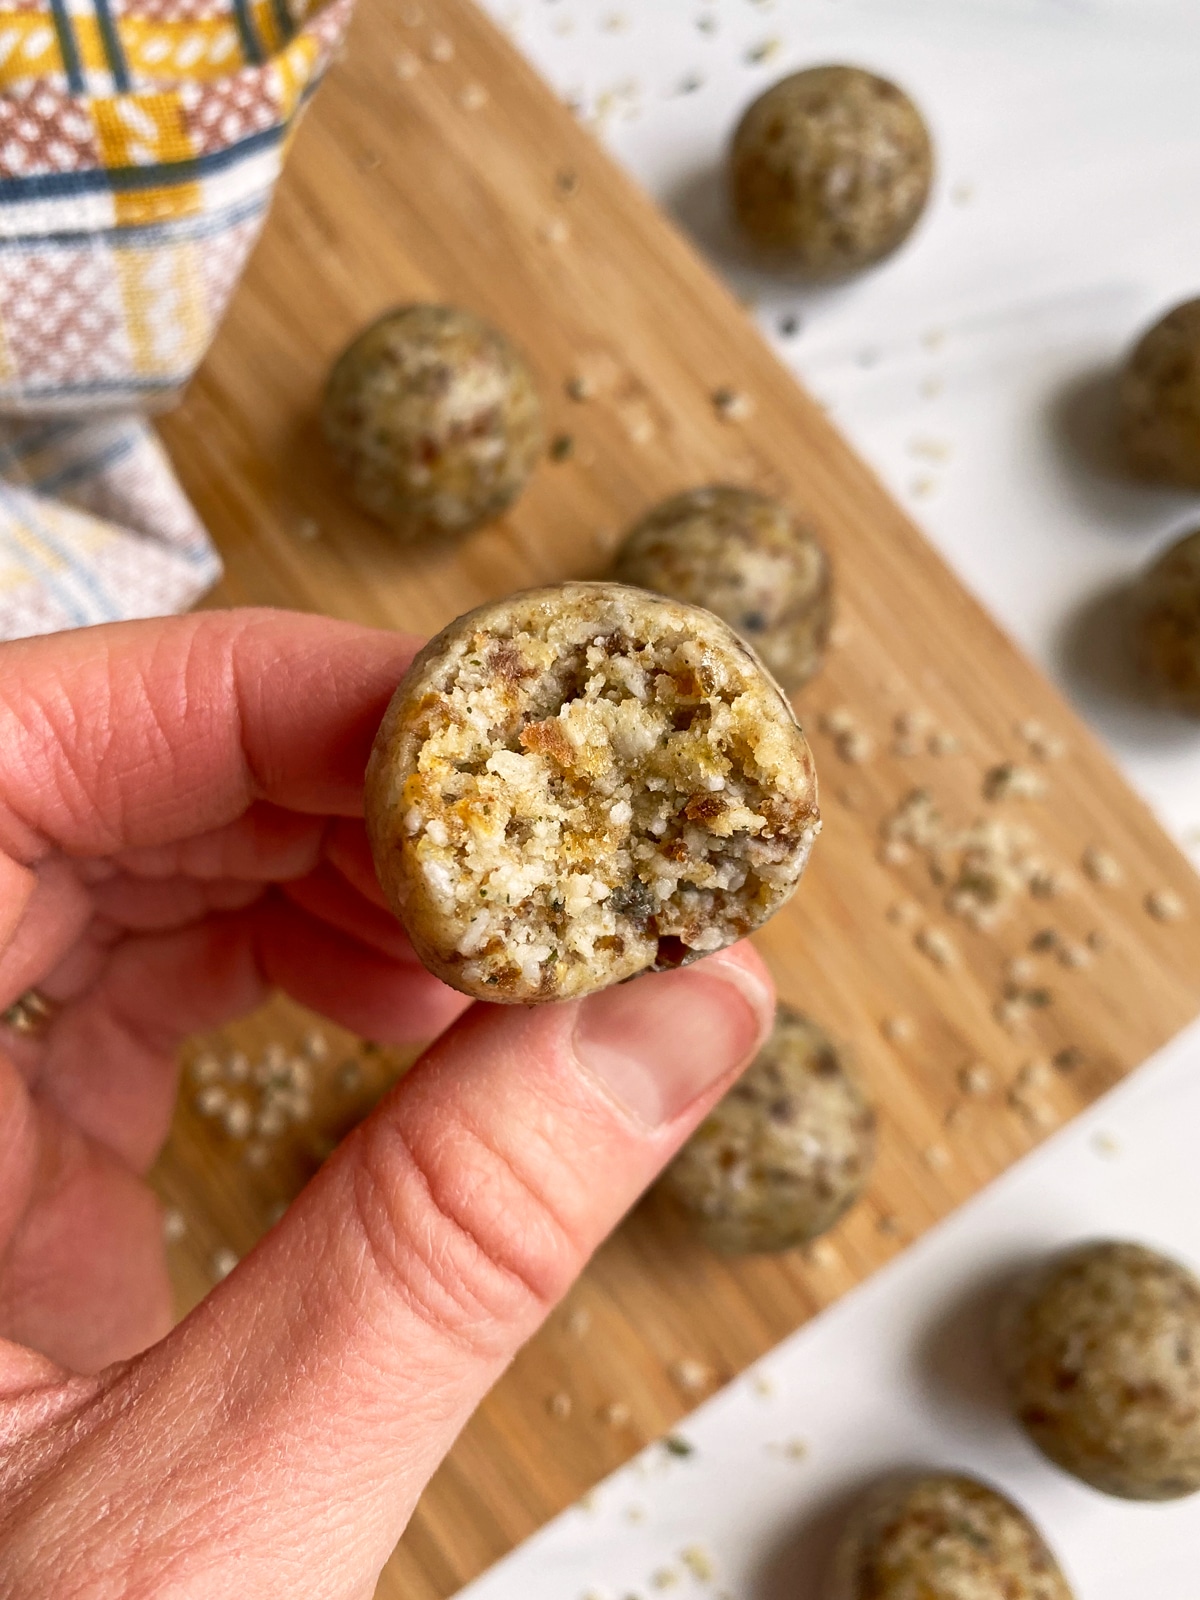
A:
[1101,1353]
[435,420]
[746,558]
[1167,603]
[943,1536]
[1160,399]
[830,170]
[785,1153]
[581,783]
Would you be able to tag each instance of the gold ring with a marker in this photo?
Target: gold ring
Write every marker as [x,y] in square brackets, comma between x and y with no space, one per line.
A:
[30,1013]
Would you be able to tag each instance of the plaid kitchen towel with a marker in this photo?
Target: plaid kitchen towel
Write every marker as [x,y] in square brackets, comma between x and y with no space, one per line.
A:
[140,141]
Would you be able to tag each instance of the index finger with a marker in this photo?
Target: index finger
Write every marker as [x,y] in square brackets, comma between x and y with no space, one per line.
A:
[141,733]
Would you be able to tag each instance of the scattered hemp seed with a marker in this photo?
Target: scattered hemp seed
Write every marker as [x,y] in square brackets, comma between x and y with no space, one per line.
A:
[731,405]
[690,1375]
[1164,905]
[889,1225]
[675,1445]
[789,325]
[904,913]
[174,1225]
[938,946]
[943,744]
[315,1045]
[837,721]
[855,746]
[976,1078]
[559,1405]
[895,853]
[579,389]
[1074,956]
[406,65]
[1045,939]
[349,1076]
[473,97]
[555,230]
[204,1068]
[411,16]
[616,1414]
[1008,781]
[765,51]
[1105,1145]
[794,1450]
[256,1155]
[440,49]
[562,447]
[820,1253]
[211,1100]
[1068,1058]
[238,1119]
[698,1562]
[566,181]
[1096,940]
[762,1386]
[579,1321]
[1020,970]
[237,1066]
[897,1029]
[664,1577]
[1103,869]
[936,1157]
[223,1262]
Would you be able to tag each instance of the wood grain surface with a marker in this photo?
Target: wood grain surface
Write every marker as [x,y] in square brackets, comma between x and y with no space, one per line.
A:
[434,164]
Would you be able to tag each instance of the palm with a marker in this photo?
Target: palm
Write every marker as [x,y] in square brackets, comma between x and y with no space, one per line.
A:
[141,944]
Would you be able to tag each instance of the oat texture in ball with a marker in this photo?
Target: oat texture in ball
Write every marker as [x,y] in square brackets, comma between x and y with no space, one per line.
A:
[942,1536]
[1160,399]
[1167,609]
[785,1153]
[583,782]
[748,559]
[435,420]
[830,170]
[1101,1351]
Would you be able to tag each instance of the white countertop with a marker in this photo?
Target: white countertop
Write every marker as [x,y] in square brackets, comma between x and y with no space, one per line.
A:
[969,370]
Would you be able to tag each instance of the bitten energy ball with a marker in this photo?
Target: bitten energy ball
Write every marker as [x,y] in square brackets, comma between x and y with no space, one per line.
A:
[943,1536]
[1101,1351]
[785,1153]
[434,418]
[1160,399]
[830,170]
[746,558]
[1168,623]
[580,783]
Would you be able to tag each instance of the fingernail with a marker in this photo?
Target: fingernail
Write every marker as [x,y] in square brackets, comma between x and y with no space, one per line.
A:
[656,1044]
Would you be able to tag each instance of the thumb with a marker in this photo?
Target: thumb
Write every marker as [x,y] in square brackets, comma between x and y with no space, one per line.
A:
[285,1429]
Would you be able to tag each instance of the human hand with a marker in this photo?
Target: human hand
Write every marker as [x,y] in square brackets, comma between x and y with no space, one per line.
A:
[180,831]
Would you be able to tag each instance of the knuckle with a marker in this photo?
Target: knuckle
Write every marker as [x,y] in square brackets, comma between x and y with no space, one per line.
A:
[470,1242]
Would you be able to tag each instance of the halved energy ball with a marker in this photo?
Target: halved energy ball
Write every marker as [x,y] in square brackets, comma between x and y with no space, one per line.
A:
[581,783]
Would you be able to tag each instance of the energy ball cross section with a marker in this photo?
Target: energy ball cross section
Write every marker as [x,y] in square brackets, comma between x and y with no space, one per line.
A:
[581,783]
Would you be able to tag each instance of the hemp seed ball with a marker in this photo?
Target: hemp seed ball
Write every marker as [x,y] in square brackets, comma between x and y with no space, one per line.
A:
[581,783]
[746,558]
[435,419]
[1101,1353]
[1168,623]
[830,170]
[785,1153]
[1160,399]
[943,1536]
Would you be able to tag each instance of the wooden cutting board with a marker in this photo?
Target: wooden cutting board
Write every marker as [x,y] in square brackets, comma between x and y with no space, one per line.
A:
[434,164]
